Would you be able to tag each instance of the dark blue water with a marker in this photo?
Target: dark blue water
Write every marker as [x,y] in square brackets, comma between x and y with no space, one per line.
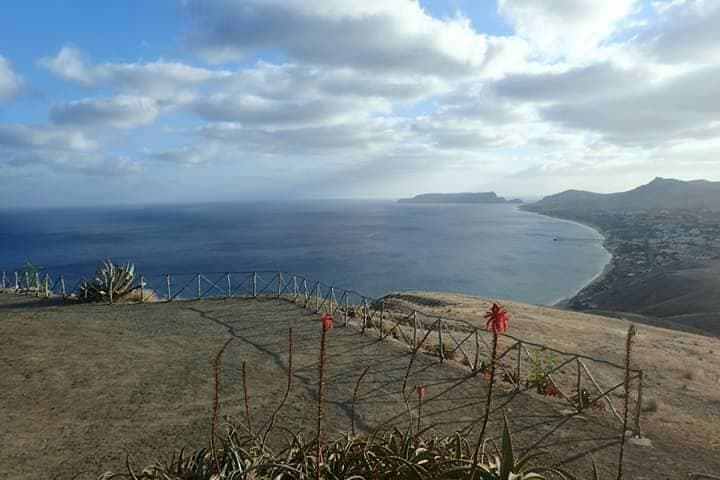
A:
[370,246]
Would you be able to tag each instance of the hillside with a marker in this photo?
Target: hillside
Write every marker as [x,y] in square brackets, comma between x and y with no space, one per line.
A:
[87,384]
[665,242]
[682,370]
[661,193]
[466,197]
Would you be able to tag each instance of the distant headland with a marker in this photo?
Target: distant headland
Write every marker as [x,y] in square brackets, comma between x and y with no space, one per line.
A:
[465,197]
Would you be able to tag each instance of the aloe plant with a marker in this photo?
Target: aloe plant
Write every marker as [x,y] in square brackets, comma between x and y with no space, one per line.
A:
[112,282]
[394,454]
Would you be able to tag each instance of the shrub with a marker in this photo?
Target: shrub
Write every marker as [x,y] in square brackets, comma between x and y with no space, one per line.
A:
[112,283]
[28,277]
[543,363]
[650,406]
[393,454]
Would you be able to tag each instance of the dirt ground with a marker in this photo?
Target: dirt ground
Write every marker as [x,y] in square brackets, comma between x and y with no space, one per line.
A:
[681,403]
[84,386]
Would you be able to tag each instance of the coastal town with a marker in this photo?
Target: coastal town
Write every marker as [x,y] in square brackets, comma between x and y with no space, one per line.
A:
[647,242]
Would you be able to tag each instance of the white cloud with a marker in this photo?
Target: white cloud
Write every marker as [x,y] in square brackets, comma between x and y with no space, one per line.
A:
[187,155]
[685,32]
[599,80]
[565,28]
[122,111]
[580,89]
[374,35]
[44,137]
[255,110]
[678,109]
[10,82]
[160,79]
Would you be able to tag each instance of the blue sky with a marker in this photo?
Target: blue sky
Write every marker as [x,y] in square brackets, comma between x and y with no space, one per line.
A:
[180,101]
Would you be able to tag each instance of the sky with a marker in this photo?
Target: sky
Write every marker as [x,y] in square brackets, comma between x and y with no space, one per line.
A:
[133,101]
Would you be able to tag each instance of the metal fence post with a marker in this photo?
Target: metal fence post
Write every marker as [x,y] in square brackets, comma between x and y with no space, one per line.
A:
[47,285]
[254,282]
[169,293]
[331,295]
[517,366]
[3,281]
[17,284]
[382,312]
[414,321]
[279,276]
[229,285]
[199,292]
[27,282]
[638,407]
[477,350]
[37,284]
[365,312]
[347,307]
[578,386]
[295,288]
[441,349]
[62,286]
[317,297]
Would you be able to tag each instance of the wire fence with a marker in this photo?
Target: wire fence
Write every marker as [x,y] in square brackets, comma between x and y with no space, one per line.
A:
[524,365]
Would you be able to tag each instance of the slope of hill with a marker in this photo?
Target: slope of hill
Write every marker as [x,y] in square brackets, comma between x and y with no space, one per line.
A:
[661,193]
[682,370]
[665,241]
[143,373]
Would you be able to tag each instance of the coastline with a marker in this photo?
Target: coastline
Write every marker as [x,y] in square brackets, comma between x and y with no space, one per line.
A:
[599,277]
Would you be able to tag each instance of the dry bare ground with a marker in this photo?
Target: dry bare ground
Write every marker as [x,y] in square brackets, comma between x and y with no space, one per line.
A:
[681,404]
[82,385]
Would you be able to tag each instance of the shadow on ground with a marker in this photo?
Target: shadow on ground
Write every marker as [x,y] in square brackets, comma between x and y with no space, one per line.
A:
[85,385]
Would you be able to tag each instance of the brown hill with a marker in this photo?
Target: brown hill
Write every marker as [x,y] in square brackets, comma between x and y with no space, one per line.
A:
[661,193]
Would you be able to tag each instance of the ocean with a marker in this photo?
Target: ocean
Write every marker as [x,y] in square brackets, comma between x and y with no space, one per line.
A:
[373,247]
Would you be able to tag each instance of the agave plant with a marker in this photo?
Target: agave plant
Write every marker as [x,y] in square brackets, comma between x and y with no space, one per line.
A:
[390,455]
[112,282]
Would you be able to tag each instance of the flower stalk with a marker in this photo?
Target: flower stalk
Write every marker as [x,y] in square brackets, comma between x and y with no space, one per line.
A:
[327,323]
[626,397]
[354,399]
[420,390]
[497,322]
[246,395]
[216,402]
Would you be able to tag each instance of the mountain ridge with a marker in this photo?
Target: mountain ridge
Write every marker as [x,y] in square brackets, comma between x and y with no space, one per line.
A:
[660,193]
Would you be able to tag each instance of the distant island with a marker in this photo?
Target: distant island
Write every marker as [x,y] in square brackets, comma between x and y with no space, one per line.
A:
[665,240]
[465,197]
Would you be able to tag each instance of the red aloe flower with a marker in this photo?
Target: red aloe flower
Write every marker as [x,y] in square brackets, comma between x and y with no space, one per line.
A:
[497,319]
[420,390]
[327,321]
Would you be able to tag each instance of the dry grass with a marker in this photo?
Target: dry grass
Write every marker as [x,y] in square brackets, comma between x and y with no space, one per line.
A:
[676,364]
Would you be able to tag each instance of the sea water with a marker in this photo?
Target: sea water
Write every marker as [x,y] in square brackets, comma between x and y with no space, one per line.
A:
[373,247]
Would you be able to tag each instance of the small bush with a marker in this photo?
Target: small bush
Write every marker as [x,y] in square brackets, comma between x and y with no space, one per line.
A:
[394,454]
[650,405]
[447,351]
[112,283]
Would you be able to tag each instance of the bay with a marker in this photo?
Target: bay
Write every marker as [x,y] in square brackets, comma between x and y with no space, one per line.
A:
[373,247]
